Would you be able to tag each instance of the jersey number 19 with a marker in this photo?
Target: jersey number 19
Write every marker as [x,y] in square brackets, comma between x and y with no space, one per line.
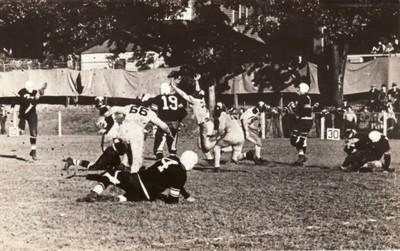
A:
[170,103]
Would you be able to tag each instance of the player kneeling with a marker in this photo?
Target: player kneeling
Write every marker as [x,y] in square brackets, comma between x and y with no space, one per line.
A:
[149,183]
[366,151]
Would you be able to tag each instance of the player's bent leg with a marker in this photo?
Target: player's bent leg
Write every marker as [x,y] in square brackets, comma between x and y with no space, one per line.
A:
[206,132]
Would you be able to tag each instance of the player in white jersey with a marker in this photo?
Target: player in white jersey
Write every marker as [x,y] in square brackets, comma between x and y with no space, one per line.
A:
[125,126]
[250,120]
[229,133]
[200,112]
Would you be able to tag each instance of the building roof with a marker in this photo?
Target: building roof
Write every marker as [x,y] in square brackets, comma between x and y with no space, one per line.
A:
[106,46]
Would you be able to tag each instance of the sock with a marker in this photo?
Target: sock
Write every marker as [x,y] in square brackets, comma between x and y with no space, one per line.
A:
[258,151]
[209,155]
[217,156]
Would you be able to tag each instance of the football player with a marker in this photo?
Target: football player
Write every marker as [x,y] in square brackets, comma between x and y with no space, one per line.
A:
[149,183]
[200,111]
[250,120]
[229,134]
[366,151]
[28,99]
[303,124]
[125,125]
[171,109]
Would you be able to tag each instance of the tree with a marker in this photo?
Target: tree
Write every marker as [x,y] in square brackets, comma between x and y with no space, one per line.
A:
[277,21]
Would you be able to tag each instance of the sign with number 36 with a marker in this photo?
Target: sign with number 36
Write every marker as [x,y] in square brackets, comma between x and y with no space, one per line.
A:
[333,134]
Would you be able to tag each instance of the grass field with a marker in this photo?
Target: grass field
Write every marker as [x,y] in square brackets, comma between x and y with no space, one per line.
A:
[244,207]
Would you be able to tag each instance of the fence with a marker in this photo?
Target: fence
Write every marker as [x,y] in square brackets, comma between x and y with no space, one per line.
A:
[35,65]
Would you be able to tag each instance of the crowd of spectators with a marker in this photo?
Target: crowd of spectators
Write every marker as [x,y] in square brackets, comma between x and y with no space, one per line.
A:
[384,45]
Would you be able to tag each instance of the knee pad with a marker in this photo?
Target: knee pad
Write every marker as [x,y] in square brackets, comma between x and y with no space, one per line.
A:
[294,138]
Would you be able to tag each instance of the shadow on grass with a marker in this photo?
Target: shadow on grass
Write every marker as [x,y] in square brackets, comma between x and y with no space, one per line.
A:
[13,156]
[221,170]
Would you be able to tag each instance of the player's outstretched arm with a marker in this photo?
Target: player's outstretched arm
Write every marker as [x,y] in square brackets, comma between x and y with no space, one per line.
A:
[182,93]
[117,109]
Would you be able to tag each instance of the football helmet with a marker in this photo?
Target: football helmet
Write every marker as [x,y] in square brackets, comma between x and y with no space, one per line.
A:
[303,88]
[29,85]
[189,159]
[374,136]
[165,88]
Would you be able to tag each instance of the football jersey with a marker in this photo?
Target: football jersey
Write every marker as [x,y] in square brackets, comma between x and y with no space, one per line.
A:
[376,150]
[28,101]
[165,173]
[200,110]
[304,108]
[250,116]
[137,118]
[170,107]
[228,123]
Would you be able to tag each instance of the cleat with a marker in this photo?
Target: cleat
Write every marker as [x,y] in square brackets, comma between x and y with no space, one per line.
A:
[216,170]
[33,154]
[303,158]
[90,197]
[260,161]
[159,156]
[68,162]
[250,155]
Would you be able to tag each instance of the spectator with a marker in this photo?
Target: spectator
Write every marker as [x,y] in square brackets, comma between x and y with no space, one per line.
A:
[389,48]
[268,123]
[379,48]
[276,123]
[382,98]
[3,119]
[350,118]
[364,121]
[396,45]
[373,99]
[394,97]
[392,127]
[317,109]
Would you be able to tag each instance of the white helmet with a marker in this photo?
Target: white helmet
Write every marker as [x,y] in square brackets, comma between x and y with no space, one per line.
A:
[303,88]
[165,88]
[189,159]
[29,85]
[374,136]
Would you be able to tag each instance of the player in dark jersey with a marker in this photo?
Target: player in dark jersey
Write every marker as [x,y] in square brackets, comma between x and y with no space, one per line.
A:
[304,121]
[171,109]
[149,183]
[366,151]
[28,99]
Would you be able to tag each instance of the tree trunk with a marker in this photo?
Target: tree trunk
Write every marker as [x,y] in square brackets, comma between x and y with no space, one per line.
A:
[211,98]
[339,59]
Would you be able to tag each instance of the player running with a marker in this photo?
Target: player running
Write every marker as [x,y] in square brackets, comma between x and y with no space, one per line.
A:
[304,122]
[28,99]
[171,109]
[149,183]
[250,120]
[366,151]
[125,126]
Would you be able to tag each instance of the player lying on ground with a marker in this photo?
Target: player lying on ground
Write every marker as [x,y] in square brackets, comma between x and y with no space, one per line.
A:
[149,183]
[125,126]
[366,151]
